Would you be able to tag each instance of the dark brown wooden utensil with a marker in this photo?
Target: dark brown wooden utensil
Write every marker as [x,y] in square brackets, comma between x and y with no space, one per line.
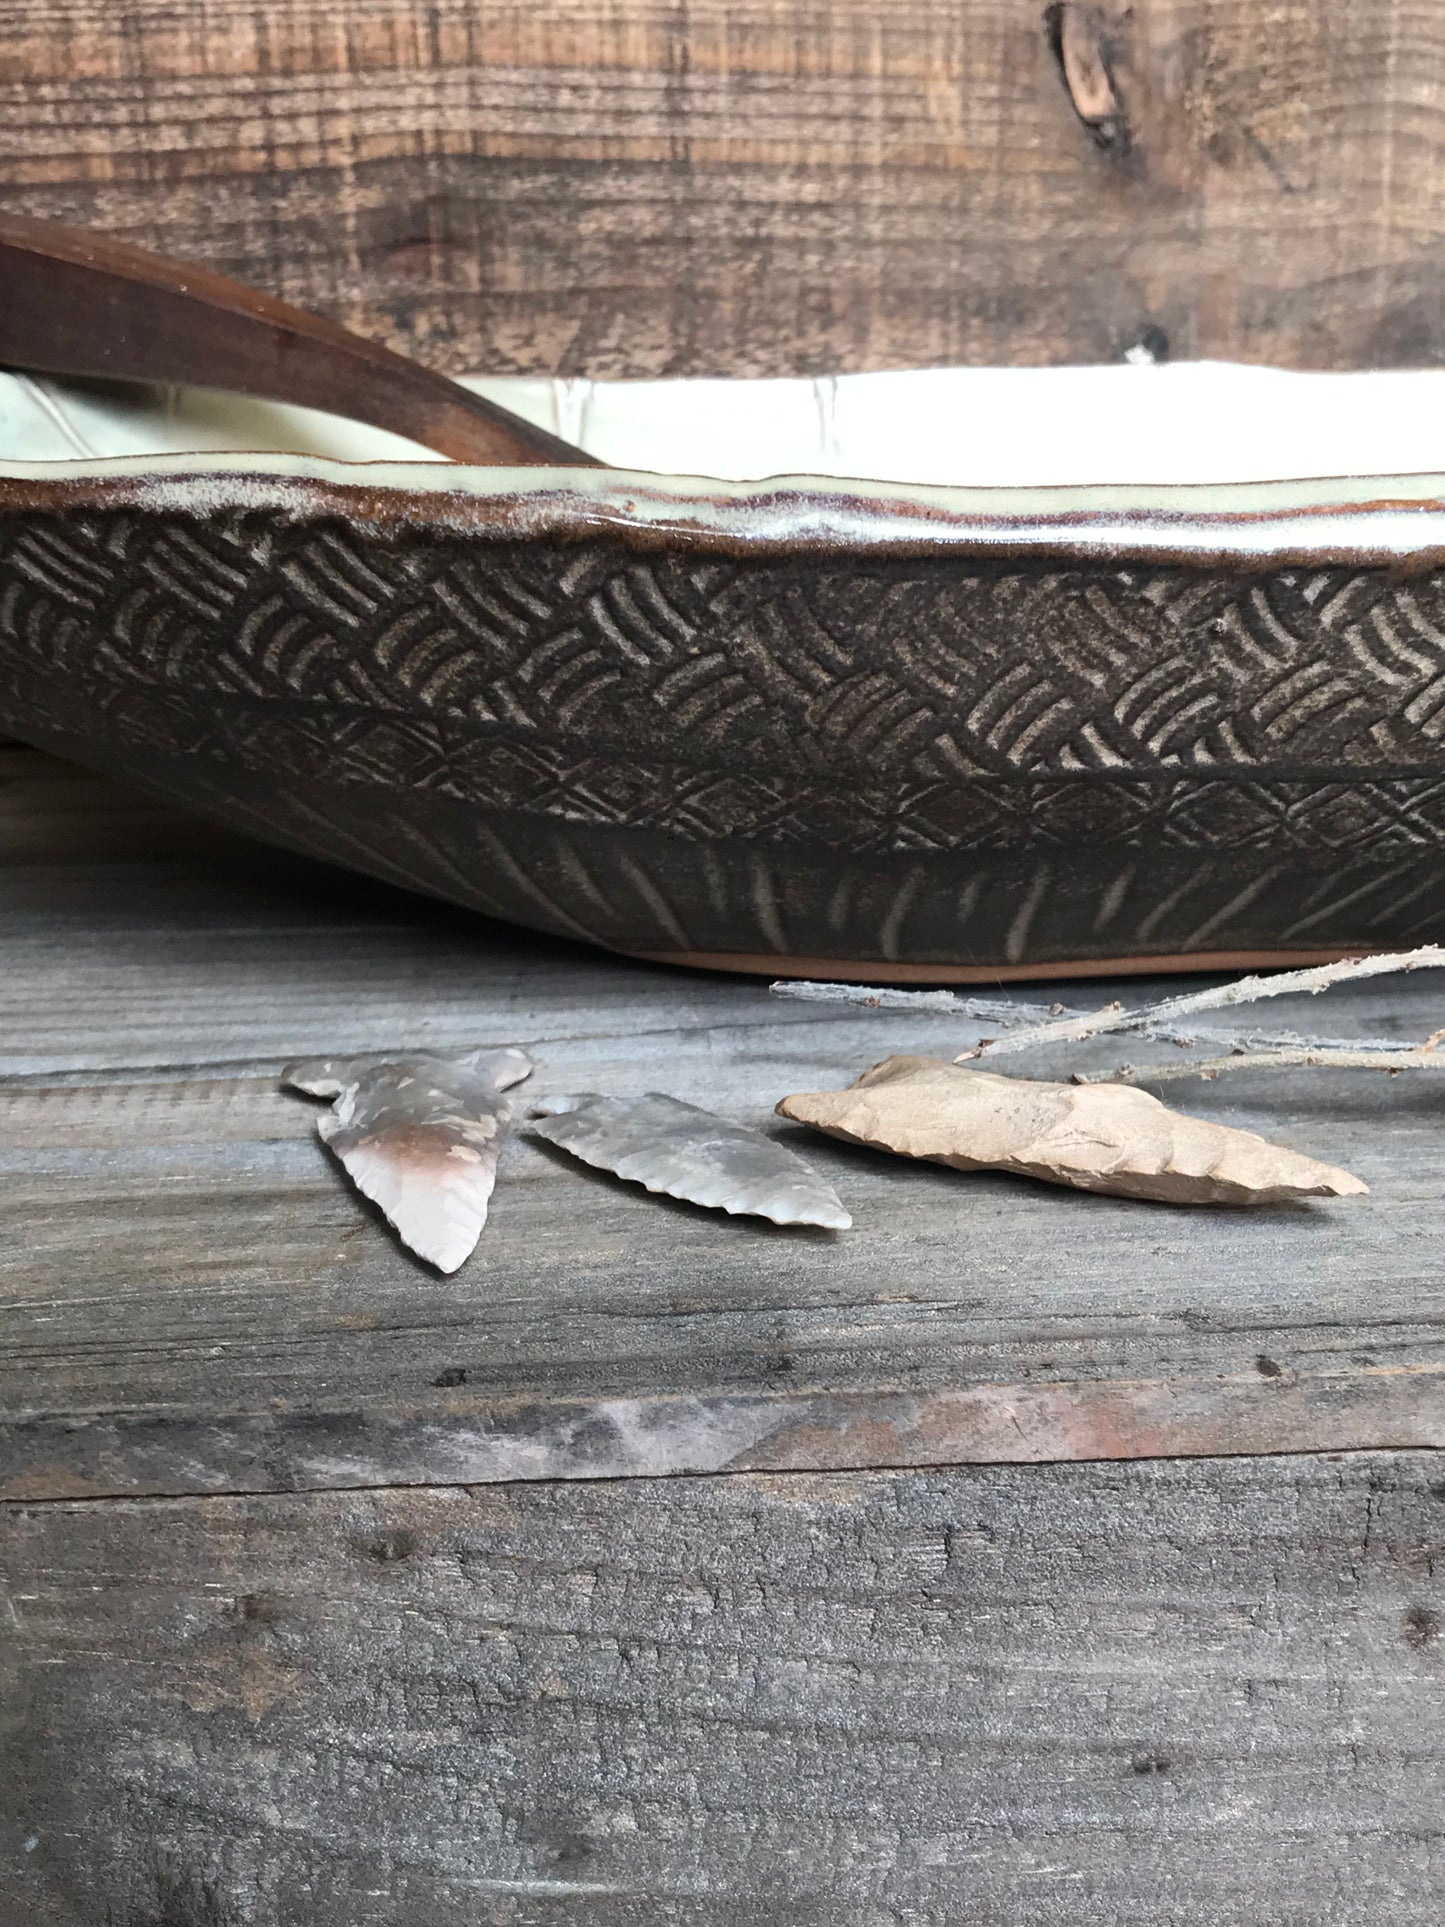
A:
[74,301]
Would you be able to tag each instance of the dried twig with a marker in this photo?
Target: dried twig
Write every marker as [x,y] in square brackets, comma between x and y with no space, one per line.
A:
[1240,1041]
[1329,1057]
[986,1010]
[1051,1023]
[1150,1018]
[1030,1026]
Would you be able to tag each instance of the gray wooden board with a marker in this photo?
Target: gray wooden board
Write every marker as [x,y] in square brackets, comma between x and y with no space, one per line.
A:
[1172,1693]
[191,1300]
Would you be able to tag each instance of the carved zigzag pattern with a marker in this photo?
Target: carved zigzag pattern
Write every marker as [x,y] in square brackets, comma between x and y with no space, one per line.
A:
[926,704]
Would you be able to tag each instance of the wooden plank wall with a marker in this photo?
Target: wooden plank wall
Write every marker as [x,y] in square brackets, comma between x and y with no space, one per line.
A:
[647,187]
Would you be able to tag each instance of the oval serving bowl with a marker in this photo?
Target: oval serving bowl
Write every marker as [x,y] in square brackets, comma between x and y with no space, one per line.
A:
[802,726]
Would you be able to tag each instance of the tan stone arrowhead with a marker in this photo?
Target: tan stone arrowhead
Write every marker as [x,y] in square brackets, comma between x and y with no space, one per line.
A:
[1096,1137]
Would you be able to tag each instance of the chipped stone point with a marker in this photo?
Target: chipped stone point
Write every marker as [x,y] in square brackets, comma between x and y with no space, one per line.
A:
[1095,1137]
[420,1136]
[683,1151]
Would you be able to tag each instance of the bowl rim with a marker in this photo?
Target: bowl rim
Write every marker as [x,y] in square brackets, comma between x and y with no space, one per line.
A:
[1381,521]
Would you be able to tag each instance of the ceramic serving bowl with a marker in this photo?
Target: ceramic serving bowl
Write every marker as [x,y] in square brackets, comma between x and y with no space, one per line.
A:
[800,726]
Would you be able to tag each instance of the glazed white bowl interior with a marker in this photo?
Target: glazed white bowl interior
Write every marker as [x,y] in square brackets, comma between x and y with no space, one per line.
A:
[1187,422]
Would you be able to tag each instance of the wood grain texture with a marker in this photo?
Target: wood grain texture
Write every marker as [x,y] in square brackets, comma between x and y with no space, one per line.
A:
[191,1301]
[634,187]
[1168,1694]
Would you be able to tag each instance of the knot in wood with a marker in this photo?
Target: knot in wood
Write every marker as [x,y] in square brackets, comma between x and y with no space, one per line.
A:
[1084,49]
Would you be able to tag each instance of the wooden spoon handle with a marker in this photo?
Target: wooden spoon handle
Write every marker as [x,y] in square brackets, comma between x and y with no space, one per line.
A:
[74,301]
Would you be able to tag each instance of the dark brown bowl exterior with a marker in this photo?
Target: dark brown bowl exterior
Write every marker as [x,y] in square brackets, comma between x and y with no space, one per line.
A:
[903,753]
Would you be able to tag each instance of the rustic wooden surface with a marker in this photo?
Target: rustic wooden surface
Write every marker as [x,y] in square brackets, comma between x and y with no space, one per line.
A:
[479,1670]
[191,1300]
[637,187]
[1180,1694]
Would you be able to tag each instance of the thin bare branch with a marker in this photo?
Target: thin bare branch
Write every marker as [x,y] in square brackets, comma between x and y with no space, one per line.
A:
[1268,1040]
[1151,1018]
[1052,1018]
[986,1010]
[1418,1057]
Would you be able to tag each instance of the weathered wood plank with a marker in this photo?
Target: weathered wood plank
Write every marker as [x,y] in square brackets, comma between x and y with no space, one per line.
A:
[190,1299]
[1169,1694]
[632,187]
